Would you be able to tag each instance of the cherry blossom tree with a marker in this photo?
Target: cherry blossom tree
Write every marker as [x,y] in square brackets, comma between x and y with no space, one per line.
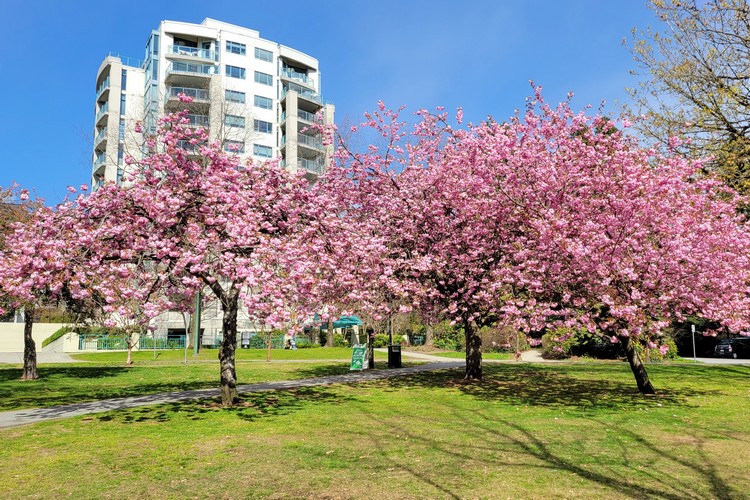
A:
[200,218]
[32,266]
[553,218]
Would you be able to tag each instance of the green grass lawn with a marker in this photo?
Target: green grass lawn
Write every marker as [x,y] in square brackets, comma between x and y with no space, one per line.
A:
[178,355]
[462,355]
[104,375]
[568,430]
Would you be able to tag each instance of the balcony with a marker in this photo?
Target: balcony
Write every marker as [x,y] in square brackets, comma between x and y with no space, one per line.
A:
[197,120]
[297,76]
[191,52]
[102,113]
[302,115]
[303,93]
[195,94]
[186,73]
[310,141]
[313,166]
[102,88]
[100,160]
[100,141]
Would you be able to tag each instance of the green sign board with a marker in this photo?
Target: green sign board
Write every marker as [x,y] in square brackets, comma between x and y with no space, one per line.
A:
[359,353]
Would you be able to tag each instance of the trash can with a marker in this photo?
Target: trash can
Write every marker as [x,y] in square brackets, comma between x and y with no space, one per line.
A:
[394,356]
[245,340]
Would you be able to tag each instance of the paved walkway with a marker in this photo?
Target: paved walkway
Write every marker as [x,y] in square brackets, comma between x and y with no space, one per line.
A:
[29,416]
[16,358]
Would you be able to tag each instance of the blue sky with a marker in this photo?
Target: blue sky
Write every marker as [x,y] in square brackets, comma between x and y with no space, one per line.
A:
[479,55]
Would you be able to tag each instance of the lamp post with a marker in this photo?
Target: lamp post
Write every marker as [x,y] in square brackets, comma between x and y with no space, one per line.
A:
[197,324]
[692,329]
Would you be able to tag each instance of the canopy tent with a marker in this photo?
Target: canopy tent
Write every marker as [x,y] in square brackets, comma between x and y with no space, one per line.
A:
[342,322]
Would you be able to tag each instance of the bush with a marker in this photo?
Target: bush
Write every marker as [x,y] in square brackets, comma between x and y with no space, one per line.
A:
[502,339]
[559,343]
[448,337]
[339,340]
[380,340]
[59,333]
[654,354]
[305,343]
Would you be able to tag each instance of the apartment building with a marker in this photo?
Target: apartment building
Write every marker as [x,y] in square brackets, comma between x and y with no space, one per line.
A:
[255,96]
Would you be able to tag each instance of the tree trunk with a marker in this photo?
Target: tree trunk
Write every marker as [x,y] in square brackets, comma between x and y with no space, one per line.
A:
[129,361]
[329,332]
[636,365]
[429,336]
[370,333]
[29,346]
[473,353]
[229,305]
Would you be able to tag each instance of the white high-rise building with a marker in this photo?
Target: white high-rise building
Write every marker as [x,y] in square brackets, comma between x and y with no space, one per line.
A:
[255,96]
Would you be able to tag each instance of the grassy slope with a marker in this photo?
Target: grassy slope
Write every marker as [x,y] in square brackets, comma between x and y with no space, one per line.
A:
[564,430]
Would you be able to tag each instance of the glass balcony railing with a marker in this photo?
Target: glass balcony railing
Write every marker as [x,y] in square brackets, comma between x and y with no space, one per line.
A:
[100,160]
[313,166]
[306,93]
[192,52]
[310,141]
[302,115]
[192,69]
[104,86]
[101,135]
[197,94]
[102,111]
[298,76]
[197,120]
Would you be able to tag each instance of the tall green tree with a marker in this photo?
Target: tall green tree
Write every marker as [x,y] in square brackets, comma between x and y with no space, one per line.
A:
[696,83]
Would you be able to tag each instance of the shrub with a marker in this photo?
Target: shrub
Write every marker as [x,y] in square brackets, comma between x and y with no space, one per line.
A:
[380,340]
[447,336]
[305,343]
[339,340]
[502,339]
[59,333]
[558,343]
[652,353]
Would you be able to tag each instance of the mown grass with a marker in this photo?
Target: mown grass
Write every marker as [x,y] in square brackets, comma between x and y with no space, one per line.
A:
[462,355]
[568,430]
[104,375]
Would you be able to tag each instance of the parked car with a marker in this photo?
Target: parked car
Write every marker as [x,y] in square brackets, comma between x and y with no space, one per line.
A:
[733,348]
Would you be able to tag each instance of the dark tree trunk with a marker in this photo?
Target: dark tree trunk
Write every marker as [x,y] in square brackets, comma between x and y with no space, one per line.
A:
[229,305]
[329,332]
[29,347]
[473,353]
[636,365]
[370,348]
[429,336]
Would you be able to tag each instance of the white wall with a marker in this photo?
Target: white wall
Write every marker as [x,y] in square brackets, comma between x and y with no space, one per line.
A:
[11,335]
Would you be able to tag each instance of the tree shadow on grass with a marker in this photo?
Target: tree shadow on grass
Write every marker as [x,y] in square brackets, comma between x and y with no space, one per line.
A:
[251,407]
[633,466]
[525,385]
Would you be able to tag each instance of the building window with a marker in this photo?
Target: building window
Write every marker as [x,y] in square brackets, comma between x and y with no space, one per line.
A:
[121,130]
[263,102]
[124,80]
[122,104]
[234,121]
[261,126]
[235,72]
[234,146]
[263,151]
[263,78]
[236,48]
[235,96]
[263,55]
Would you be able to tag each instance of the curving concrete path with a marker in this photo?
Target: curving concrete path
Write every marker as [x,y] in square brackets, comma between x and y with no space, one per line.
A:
[18,418]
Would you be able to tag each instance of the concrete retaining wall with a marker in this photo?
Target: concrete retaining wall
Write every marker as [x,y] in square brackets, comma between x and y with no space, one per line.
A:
[11,335]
